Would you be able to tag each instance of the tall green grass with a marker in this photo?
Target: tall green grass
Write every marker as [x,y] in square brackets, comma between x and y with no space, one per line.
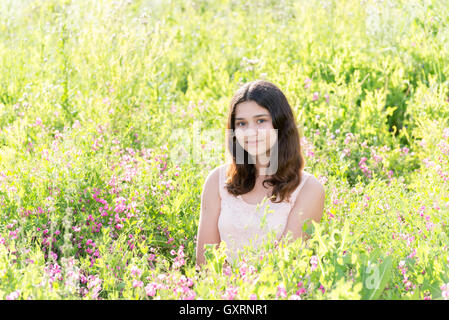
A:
[92,93]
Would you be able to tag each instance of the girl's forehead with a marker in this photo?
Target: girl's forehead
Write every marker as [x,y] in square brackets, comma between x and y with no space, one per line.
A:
[249,109]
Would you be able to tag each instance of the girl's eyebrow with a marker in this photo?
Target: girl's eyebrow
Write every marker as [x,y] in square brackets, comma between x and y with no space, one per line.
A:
[256,116]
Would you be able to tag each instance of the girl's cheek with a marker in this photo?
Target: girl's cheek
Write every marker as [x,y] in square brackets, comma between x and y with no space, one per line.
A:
[268,126]
[239,134]
[267,132]
[270,136]
[240,137]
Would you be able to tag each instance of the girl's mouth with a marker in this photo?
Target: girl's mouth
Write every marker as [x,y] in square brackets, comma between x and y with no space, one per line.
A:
[253,143]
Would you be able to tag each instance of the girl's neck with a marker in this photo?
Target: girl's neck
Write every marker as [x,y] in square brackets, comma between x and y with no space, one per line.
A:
[261,167]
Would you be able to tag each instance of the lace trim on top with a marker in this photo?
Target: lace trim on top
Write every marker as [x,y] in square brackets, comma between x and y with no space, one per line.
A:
[224,194]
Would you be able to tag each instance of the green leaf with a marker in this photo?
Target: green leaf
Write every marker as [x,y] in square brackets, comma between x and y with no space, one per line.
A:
[415,294]
[375,284]
[208,254]
[420,279]
[308,227]
[345,233]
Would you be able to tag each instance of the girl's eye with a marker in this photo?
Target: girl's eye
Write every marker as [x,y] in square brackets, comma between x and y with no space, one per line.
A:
[240,124]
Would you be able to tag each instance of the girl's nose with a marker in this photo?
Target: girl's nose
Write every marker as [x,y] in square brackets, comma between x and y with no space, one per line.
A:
[250,132]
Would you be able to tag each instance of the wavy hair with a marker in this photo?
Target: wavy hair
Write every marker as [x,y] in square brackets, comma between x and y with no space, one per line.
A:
[242,177]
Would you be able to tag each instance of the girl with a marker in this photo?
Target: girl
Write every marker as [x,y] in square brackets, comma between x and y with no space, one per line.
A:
[267,163]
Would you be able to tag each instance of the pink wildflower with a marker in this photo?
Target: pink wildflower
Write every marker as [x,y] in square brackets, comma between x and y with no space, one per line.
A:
[13,295]
[150,289]
[307,83]
[281,292]
[314,262]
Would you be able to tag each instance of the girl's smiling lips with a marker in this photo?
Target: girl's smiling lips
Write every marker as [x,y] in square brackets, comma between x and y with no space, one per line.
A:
[253,142]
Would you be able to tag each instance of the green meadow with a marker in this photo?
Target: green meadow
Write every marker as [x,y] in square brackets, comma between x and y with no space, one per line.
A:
[113,113]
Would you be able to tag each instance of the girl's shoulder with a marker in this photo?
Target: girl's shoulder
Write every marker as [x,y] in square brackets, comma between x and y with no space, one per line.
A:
[217,174]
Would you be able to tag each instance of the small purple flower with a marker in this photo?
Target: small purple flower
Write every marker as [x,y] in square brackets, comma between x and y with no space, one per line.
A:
[322,289]
[230,293]
[13,295]
[307,83]
[314,262]
[446,133]
[136,271]
[227,270]
[150,289]
[281,292]
[445,291]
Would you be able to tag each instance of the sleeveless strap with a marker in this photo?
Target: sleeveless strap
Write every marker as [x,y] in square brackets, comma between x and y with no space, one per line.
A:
[222,181]
[294,195]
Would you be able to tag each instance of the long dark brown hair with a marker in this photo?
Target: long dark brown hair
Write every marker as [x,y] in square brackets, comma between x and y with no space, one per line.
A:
[288,176]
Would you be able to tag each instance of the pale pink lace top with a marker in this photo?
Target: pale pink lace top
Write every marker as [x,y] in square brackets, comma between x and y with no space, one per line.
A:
[240,223]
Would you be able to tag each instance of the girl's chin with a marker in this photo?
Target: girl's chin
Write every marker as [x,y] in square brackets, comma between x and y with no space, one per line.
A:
[255,152]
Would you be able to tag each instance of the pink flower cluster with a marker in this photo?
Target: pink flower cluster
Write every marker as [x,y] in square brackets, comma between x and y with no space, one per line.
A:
[53,273]
[227,270]
[308,147]
[103,210]
[412,254]
[120,205]
[322,289]
[301,289]
[13,295]
[377,158]
[245,270]
[281,291]
[444,147]
[307,83]
[314,262]
[230,293]
[404,151]
[346,152]
[403,269]
[364,167]
[152,288]
[446,132]
[349,138]
[179,259]
[181,286]
[94,285]
[136,273]
[72,274]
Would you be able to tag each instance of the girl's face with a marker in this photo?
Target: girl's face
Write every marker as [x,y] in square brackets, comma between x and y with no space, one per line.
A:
[254,128]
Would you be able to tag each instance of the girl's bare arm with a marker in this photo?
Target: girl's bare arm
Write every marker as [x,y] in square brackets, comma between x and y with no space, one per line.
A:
[210,211]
